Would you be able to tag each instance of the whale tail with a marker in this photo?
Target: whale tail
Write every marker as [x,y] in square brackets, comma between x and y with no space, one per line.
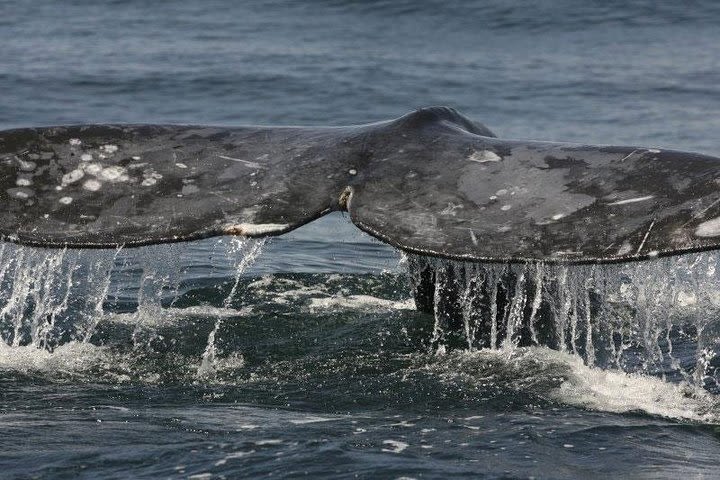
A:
[431,182]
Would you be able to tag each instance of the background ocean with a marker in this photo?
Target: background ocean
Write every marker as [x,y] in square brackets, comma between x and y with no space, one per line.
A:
[303,355]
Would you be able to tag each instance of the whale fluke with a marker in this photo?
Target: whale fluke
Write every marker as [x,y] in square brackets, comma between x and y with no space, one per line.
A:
[432,182]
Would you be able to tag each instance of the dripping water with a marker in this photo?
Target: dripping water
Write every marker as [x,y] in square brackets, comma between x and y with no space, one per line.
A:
[249,251]
[660,317]
[51,297]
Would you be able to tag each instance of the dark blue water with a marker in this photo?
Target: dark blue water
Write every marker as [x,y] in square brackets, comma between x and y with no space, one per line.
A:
[181,362]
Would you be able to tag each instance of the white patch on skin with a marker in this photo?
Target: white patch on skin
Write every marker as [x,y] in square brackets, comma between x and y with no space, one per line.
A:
[566,253]
[110,148]
[251,230]
[136,158]
[240,160]
[23,182]
[27,166]
[66,200]
[505,208]
[92,185]
[450,209]
[628,155]
[625,249]
[20,193]
[190,189]
[86,157]
[484,156]
[352,171]
[501,192]
[151,178]
[113,174]
[647,234]
[710,228]
[93,168]
[72,177]
[632,200]
[473,238]
[648,150]
[558,216]
[75,142]
[493,197]
[180,165]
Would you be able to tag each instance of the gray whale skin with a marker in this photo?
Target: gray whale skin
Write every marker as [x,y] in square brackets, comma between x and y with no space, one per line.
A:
[431,182]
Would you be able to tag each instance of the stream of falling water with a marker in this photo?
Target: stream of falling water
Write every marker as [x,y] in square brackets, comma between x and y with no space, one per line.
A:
[247,256]
[660,317]
[53,297]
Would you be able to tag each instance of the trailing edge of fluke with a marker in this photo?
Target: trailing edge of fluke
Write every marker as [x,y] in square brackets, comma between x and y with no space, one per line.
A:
[431,182]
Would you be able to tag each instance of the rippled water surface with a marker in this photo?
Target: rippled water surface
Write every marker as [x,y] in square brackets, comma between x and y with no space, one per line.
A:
[304,355]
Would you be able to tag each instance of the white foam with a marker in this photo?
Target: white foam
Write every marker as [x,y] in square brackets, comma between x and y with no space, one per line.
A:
[360,302]
[620,392]
[70,358]
[394,446]
[311,419]
[582,386]
[154,315]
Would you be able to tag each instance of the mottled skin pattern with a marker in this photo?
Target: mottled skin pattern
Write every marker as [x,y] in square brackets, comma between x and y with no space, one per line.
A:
[431,182]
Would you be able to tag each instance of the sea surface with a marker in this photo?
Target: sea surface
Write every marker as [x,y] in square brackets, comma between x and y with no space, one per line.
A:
[303,355]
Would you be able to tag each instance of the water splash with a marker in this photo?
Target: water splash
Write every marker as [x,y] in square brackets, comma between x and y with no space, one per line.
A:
[660,317]
[53,297]
[249,252]
[563,377]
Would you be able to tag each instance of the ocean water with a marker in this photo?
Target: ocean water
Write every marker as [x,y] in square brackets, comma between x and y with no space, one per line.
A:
[303,355]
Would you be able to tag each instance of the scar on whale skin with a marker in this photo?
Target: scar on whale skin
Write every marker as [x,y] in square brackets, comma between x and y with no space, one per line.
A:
[709,229]
[259,230]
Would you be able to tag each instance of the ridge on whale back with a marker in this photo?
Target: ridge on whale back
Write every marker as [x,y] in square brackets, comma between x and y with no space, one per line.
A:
[431,182]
